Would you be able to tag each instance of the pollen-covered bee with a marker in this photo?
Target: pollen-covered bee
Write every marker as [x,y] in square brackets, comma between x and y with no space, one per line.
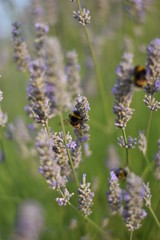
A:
[121,173]
[75,119]
[139,75]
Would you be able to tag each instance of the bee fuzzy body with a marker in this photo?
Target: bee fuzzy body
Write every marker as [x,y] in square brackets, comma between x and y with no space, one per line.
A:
[139,74]
[75,119]
[121,173]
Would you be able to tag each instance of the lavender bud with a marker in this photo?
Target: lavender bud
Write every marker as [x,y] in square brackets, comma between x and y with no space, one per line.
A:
[147,194]
[142,142]
[85,197]
[133,213]
[131,142]
[65,199]
[151,103]
[20,51]
[114,194]
[136,10]
[83,17]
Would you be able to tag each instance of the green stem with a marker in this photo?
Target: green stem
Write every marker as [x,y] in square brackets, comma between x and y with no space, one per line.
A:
[125,140]
[90,221]
[131,235]
[148,167]
[68,152]
[98,228]
[155,217]
[97,70]
[47,128]
[148,125]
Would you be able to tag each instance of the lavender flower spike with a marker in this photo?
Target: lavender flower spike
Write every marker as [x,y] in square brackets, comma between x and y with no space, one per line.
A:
[85,197]
[63,201]
[153,67]
[20,51]
[123,92]
[147,194]
[82,107]
[49,166]
[133,213]
[142,142]
[114,194]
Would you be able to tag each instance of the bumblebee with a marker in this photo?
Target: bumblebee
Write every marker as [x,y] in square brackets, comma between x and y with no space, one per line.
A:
[121,173]
[75,119]
[139,75]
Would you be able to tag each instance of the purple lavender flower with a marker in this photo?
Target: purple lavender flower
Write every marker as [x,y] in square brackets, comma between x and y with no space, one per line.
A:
[153,67]
[39,43]
[123,92]
[133,212]
[37,108]
[49,166]
[136,10]
[114,194]
[147,194]
[85,197]
[83,17]
[20,51]
[72,71]
[55,79]
[63,201]
[142,142]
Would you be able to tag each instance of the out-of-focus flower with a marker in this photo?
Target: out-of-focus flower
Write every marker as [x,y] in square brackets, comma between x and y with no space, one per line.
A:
[20,51]
[3,116]
[142,142]
[29,222]
[113,160]
[157,162]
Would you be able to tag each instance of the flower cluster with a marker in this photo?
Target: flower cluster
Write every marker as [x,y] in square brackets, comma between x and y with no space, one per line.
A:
[72,71]
[114,195]
[142,142]
[131,142]
[136,10]
[63,201]
[39,43]
[147,195]
[151,103]
[21,55]
[85,197]
[133,212]
[82,17]
[123,92]
[153,67]
[38,107]
[82,107]
[49,166]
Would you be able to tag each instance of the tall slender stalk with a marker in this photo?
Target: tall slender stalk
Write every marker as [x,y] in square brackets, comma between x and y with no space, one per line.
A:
[90,221]
[148,125]
[125,140]
[68,152]
[97,70]
[155,217]
[131,235]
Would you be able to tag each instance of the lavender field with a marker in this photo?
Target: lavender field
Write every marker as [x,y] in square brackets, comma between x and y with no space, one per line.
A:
[79,118]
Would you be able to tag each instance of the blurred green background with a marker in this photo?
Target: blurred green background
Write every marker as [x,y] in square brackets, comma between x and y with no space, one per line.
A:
[19,177]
